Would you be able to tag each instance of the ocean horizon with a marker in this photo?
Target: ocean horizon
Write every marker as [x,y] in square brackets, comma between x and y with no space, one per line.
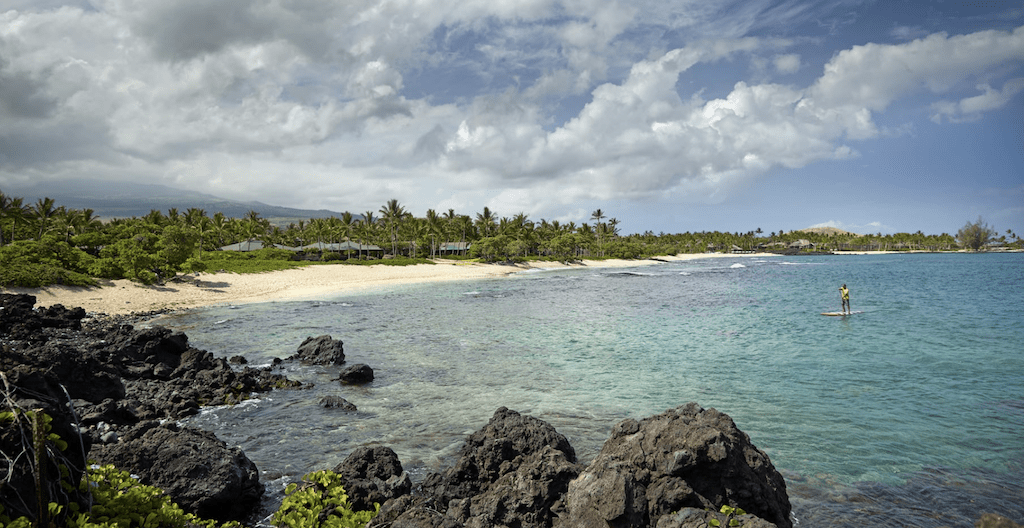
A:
[908,414]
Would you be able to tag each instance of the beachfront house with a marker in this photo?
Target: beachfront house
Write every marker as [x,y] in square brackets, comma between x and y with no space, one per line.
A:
[453,248]
[253,245]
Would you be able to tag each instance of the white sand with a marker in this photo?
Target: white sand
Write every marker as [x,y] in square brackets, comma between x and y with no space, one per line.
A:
[310,282]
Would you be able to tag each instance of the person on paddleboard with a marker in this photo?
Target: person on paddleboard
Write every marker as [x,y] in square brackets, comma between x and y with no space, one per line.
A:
[844,292]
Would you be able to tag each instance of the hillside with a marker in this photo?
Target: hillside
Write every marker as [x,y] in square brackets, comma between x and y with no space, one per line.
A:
[124,200]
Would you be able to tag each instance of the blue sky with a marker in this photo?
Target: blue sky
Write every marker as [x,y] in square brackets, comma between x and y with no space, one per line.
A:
[670,116]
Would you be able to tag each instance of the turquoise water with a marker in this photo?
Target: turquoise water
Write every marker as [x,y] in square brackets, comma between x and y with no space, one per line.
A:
[918,400]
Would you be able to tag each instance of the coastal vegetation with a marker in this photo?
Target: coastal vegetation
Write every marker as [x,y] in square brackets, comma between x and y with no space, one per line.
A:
[46,243]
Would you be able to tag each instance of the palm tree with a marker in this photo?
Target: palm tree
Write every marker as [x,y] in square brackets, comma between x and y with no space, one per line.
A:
[434,228]
[42,211]
[252,227]
[347,224]
[392,213]
[13,209]
[219,227]
[449,226]
[485,222]
[365,230]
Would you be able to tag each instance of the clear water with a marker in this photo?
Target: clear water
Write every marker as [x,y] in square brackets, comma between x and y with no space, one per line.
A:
[912,410]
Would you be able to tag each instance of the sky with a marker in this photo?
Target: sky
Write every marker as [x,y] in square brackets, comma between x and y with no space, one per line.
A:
[668,115]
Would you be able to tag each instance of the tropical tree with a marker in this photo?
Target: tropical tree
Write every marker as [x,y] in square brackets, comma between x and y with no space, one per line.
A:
[347,227]
[42,212]
[435,229]
[365,230]
[975,236]
[597,216]
[252,227]
[392,215]
[485,222]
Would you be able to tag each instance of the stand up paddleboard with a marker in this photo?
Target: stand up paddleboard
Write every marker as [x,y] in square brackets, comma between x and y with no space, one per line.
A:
[840,313]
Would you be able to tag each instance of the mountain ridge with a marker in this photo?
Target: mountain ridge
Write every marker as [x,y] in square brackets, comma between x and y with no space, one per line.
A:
[124,200]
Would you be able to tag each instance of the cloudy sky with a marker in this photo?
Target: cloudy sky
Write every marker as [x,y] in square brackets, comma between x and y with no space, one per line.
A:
[670,115]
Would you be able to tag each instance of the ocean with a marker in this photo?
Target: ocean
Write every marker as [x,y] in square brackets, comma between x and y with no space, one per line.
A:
[908,414]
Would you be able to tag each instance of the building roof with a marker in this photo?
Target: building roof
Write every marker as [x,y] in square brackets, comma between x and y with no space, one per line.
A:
[347,245]
[253,245]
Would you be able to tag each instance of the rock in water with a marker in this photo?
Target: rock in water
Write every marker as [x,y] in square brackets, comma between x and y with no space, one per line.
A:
[197,470]
[357,374]
[337,402]
[322,350]
[684,457]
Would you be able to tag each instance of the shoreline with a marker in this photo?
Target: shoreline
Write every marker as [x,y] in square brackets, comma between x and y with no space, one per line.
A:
[124,297]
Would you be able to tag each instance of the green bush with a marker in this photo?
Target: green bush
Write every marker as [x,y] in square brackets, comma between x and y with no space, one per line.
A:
[320,501]
[29,275]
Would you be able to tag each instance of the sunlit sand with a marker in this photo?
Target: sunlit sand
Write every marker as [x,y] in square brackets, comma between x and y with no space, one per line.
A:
[311,282]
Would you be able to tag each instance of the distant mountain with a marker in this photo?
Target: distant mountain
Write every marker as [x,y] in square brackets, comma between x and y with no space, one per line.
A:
[125,200]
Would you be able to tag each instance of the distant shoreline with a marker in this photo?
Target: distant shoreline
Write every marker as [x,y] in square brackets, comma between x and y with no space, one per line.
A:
[124,297]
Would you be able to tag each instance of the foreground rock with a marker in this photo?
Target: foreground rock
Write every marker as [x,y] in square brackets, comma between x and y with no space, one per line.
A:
[373,475]
[686,457]
[513,472]
[674,470]
[98,379]
[198,470]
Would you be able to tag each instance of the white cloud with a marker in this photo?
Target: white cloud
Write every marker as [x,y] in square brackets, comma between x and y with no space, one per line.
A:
[788,63]
[971,108]
[874,75]
[308,100]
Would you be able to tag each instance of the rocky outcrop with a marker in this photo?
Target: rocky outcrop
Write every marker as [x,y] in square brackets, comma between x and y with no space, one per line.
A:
[321,350]
[513,472]
[198,470]
[686,457]
[97,379]
[373,475]
[674,470]
[356,374]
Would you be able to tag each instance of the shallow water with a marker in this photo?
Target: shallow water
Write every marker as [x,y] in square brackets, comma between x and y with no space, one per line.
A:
[913,409]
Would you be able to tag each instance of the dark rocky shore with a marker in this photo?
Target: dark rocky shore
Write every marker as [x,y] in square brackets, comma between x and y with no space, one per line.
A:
[115,394]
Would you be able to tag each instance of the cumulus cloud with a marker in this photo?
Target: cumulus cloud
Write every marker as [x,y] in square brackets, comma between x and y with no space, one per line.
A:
[971,108]
[530,106]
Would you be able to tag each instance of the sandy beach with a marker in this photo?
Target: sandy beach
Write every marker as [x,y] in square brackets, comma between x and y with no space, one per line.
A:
[312,282]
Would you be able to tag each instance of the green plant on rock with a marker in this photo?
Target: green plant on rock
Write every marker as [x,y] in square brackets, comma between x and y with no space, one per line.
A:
[729,511]
[121,501]
[320,501]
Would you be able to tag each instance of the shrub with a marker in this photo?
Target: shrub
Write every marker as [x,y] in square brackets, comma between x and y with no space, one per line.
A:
[320,501]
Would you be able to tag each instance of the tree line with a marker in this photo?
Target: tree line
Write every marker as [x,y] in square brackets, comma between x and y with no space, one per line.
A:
[55,244]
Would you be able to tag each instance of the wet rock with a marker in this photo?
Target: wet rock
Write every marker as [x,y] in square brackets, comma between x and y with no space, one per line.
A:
[197,470]
[356,374]
[337,402]
[993,520]
[322,350]
[686,457]
[373,475]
